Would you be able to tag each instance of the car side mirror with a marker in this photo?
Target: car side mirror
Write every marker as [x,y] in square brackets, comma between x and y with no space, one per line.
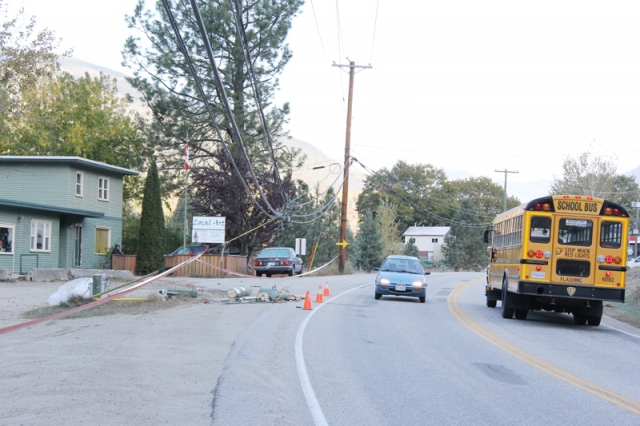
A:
[376,269]
[427,273]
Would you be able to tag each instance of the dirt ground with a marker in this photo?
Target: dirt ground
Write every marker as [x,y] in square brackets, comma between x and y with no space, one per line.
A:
[122,363]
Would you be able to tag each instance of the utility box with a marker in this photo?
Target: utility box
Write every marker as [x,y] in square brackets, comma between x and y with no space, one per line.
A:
[98,284]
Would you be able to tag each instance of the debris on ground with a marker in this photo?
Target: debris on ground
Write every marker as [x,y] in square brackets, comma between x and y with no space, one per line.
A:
[78,287]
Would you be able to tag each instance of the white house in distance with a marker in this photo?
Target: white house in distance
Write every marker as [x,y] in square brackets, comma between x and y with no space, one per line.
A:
[429,240]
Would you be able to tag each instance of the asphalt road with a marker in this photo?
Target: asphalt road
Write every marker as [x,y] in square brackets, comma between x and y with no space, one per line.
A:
[451,361]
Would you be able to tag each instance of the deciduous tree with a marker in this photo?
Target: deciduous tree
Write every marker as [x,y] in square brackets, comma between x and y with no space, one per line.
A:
[420,192]
[389,230]
[586,175]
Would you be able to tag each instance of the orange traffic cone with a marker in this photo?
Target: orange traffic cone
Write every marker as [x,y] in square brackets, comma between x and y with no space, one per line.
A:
[326,290]
[307,303]
[319,296]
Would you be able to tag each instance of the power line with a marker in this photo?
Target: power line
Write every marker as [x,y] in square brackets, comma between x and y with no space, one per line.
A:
[444,219]
[375,24]
[313,9]
[223,96]
[200,89]
[254,86]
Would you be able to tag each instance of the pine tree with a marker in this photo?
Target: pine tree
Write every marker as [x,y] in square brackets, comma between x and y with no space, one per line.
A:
[152,233]
[368,244]
[411,249]
[463,247]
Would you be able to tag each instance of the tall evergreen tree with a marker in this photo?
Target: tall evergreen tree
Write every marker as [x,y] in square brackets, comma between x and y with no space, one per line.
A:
[411,249]
[151,247]
[248,40]
[368,244]
[463,247]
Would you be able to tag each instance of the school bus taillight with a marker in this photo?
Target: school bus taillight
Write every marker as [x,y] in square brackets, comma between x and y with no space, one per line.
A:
[612,211]
[608,259]
[617,260]
[545,207]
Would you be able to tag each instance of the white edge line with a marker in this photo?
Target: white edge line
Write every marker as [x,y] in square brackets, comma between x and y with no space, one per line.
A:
[307,389]
[622,331]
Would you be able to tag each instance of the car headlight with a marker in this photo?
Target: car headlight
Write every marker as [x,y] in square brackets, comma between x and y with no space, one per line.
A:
[383,281]
[417,283]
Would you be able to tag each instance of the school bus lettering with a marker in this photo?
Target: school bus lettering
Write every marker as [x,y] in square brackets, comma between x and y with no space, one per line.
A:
[583,253]
[570,279]
[577,206]
[608,279]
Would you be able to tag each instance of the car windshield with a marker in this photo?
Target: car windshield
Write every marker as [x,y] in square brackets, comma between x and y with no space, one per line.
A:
[273,252]
[402,265]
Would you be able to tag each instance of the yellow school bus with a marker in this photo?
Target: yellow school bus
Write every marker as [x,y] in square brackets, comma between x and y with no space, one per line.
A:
[562,253]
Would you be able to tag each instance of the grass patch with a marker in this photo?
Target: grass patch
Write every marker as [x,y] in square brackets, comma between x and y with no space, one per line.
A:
[628,312]
[153,303]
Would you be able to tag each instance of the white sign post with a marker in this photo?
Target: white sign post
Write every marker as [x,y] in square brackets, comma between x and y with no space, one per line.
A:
[208,229]
[301,246]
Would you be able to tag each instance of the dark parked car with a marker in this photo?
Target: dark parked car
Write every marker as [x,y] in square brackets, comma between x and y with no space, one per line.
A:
[193,250]
[278,260]
[401,276]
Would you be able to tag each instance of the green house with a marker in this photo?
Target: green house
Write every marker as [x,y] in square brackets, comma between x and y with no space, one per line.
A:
[58,212]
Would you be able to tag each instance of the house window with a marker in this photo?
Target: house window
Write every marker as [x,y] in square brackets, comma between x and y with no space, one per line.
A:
[6,238]
[103,189]
[434,240]
[79,183]
[103,240]
[40,235]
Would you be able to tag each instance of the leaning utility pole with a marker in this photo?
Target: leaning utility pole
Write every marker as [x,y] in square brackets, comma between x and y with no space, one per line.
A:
[505,171]
[347,161]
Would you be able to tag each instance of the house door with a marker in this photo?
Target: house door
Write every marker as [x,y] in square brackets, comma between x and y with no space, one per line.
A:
[77,247]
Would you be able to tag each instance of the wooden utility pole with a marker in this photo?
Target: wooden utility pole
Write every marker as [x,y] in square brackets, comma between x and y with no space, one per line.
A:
[347,161]
[505,171]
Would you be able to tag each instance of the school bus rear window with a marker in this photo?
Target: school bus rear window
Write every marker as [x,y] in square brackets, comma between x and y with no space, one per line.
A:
[540,229]
[575,232]
[610,234]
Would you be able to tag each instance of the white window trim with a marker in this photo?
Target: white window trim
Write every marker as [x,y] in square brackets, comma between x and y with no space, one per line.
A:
[33,240]
[108,239]
[75,184]
[107,190]
[13,233]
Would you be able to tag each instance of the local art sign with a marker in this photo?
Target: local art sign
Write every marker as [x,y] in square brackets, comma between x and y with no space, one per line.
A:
[208,229]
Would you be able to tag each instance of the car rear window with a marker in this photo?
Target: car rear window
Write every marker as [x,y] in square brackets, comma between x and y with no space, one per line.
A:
[274,253]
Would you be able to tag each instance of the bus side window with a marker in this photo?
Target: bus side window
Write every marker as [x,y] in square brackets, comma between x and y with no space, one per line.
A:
[540,229]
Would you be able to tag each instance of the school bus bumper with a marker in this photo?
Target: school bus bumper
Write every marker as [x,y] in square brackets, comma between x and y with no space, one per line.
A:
[563,291]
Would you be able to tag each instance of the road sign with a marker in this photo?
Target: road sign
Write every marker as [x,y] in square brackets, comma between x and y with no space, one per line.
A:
[301,246]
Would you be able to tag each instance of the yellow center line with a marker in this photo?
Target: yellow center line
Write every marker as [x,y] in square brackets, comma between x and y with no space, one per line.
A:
[454,307]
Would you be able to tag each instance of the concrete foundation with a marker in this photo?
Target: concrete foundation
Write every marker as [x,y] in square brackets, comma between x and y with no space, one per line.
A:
[117,275]
[5,274]
[47,274]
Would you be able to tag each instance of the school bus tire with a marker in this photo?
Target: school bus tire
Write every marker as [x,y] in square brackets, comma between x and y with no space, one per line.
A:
[521,314]
[579,319]
[492,303]
[594,321]
[507,312]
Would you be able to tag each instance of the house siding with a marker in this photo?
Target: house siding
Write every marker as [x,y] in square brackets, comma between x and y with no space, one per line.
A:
[50,181]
